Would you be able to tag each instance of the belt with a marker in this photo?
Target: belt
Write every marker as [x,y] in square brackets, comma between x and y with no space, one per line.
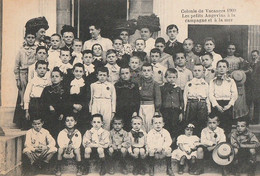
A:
[147,102]
[197,99]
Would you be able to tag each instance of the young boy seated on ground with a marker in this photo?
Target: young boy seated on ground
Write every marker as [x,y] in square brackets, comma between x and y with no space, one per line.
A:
[96,140]
[69,142]
[245,144]
[39,144]
[138,145]
[159,144]
[211,136]
[118,146]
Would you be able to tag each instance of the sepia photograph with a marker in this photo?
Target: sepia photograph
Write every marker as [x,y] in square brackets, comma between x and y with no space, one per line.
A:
[129,87]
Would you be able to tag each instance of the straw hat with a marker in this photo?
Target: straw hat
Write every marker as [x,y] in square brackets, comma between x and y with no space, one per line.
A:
[223,154]
[239,76]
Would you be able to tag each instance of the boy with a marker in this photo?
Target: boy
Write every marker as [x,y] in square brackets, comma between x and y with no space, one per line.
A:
[191,58]
[196,100]
[173,46]
[172,103]
[150,96]
[138,147]
[54,51]
[139,50]
[32,101]
[65,57]
[69,141]
[119,144]
[118,46]
[158,69]
[39,144]
[209,45]
[158,143]
[87,61]
[184,74]
[210,72]
[245,144]
[112,66]
[134,64]
[127,97]
[103,97]
[211,136]
[96,140]
[166,60]
[76,54]
[68,35]
[222,95]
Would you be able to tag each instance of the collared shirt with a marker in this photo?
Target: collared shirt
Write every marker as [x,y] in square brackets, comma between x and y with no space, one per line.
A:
[226,91]
[158,139]
[245,138]
[184,75]
[166,60]
[113,73]
[209,137]
[32,72]
[216,58]
[97,137]
[209,74]
[64,67]
[104,42]
[24,58]
[191,59]
[54,58]
[63,140]
[158,73]
[188,141]
[172,47]
[34,139]
[89,69]
[104,90]
[142,141]
[172,96]
[118,138]
[196,89]
[149,45]
[34,88]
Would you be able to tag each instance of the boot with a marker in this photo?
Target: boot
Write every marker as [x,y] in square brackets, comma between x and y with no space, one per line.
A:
[151,166]
[169,166]
[102,167]
[123,166]
[111,165]
[79,168]
[141,167]
[58,168]
[252,167]
[136,166]
[199,166]
[180,169]
[86,166]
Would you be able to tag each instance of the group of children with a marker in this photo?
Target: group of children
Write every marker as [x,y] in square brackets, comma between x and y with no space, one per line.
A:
[137,103]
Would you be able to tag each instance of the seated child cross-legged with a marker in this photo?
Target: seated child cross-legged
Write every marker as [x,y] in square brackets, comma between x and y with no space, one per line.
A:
[119,143]
[245,144]
[69,141]
[96,140]
[187,149]
[39,144]
[159,144]
[138,148]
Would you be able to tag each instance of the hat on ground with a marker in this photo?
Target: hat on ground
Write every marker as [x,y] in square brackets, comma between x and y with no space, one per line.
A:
[223,154]
[152,22]
[239,76]
[129,26]
[35,24]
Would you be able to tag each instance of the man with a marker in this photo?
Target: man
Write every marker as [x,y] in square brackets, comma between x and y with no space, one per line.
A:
[95,30]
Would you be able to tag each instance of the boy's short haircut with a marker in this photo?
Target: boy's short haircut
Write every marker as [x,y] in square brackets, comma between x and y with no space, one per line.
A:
[146,64]
[160,40]
[157,117]
[223,61]
[103,69]
[255,51]
[198,64]
[188,39]
[30,32]
[79,65]
[41,47]
[116,117]
[47,37]
[243,119]
[97,44]
[171,26]
[71,115]
[57,69]
[96,25]
[55,34]
[208,54]
[87,52]
[123,67]
[67,28]
[134,57]
[110,51]
[231,43]
[76,40]
[209,39]
[117,38]
[175,55]
[155,50]
[171,71]
[140,39]
[136,118]
[65,49]
[41,62]
[212,115]
[97,115]
[37,118]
